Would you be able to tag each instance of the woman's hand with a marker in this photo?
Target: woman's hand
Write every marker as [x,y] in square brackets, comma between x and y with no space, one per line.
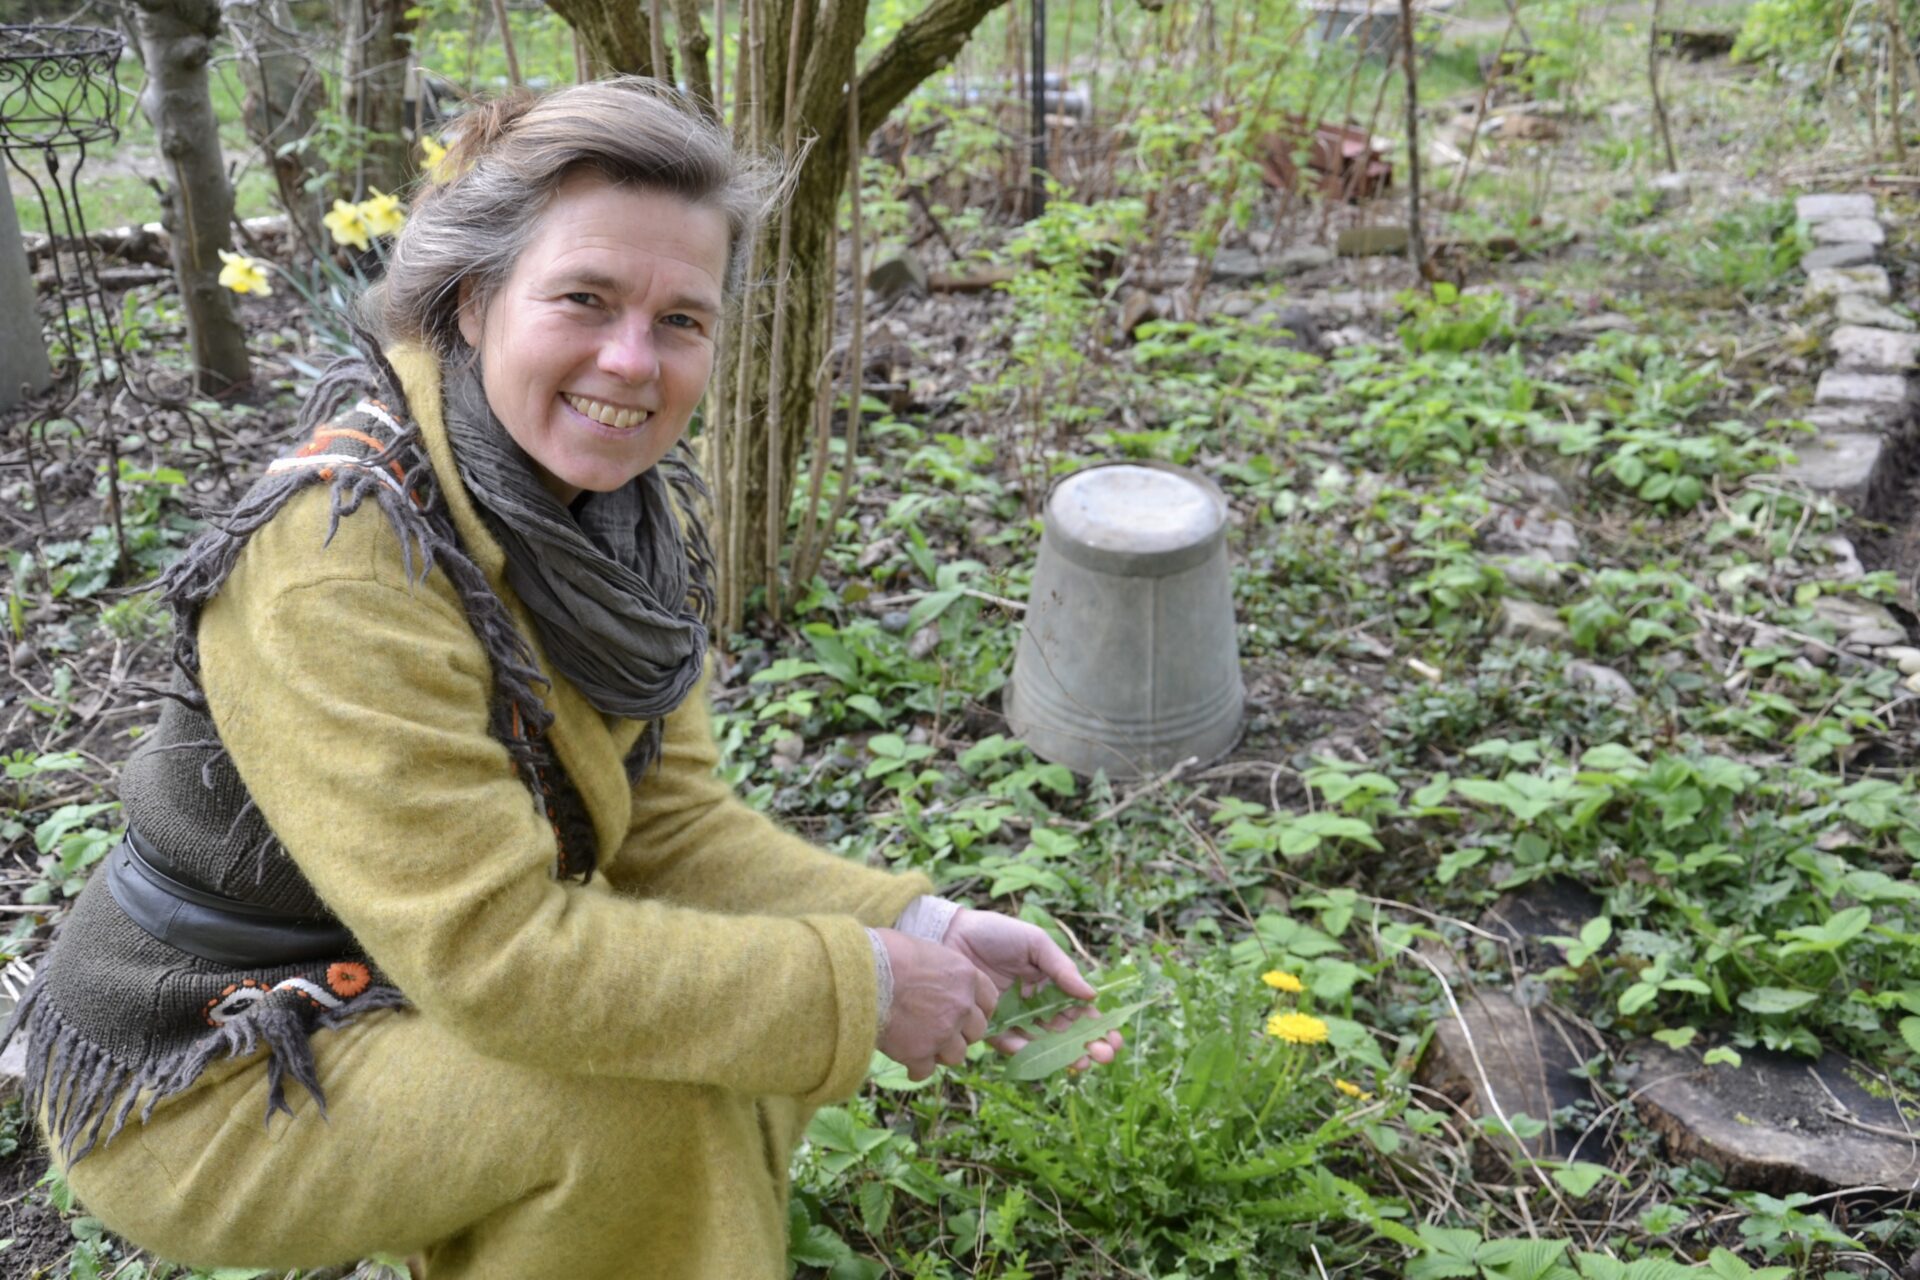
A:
[1007,951]
[941,1004]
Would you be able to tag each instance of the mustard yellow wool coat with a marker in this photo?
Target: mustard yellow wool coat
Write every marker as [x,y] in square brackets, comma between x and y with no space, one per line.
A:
[598,1079]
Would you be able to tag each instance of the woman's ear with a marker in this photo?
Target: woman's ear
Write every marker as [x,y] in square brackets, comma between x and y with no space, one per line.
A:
[469,315]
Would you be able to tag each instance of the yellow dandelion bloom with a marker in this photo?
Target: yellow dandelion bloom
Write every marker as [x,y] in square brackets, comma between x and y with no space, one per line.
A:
[1352,1090]
[348,225]
[242,274]
[435,159]
[1281,980]
[1297,1028]
[383,214]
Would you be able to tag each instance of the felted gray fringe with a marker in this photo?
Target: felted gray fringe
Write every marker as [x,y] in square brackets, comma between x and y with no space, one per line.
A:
[77,1086]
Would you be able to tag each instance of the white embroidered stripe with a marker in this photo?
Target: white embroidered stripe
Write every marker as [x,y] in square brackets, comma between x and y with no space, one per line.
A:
[281,465]
[378,414]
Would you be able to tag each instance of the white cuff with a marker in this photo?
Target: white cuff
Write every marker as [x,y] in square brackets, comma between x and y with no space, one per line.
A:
[928,917]
[883,982]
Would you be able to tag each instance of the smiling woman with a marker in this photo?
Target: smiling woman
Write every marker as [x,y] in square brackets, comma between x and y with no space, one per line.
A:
[431,827]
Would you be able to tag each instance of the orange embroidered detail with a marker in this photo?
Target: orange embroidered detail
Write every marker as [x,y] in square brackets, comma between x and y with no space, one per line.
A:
[348,978]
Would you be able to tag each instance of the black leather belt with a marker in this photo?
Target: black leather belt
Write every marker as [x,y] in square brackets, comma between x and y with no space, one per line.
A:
[211,925]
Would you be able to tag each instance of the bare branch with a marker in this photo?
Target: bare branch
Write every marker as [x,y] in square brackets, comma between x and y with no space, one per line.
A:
[925,44]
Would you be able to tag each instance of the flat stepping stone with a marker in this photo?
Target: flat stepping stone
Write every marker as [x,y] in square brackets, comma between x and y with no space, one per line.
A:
[1848,231]
[1834,282]
[1778,1123]
[1851,308]
[1825,208]
[1874,350]
[1844,386]
[1837,255]
[1842,464]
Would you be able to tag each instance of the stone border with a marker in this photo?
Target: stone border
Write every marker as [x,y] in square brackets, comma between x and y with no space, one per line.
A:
[1864,406]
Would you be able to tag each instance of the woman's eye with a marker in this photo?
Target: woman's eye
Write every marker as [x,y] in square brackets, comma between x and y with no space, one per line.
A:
[584,299]
[680,320]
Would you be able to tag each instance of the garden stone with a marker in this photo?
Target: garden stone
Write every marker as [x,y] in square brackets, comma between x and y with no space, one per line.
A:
[1846,566]
[1874,350]
[1302,258]
[1834,282]
[1853,618]
[924,642]
[1851,308]
[1844,386]
[1525,534]
[1542,489]
[1877,637]
[1827,208]
[1844,418]
[1239,266]
[1848,231]
[1772,1124]
[1841,464]
[1532,622]
[894,621]
[1837,255]
[1529,573]
[1602,680]
[1237,306]
[1302,331]
[900,276]
[1905,657]
[1527,1056]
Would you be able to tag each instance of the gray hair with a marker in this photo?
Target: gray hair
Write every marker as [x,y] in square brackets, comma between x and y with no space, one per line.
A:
[508,157]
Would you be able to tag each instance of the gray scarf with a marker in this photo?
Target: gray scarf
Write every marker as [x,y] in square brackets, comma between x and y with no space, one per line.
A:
[620,595]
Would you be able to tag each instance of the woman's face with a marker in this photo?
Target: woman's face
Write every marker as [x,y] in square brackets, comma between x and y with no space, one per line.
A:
[598,346]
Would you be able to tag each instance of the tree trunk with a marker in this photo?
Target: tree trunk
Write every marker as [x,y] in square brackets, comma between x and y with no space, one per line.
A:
[373,93]
[285,91]
[616,35]
[176,41]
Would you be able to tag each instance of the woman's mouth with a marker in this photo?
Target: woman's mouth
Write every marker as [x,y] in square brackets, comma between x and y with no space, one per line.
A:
[607,415]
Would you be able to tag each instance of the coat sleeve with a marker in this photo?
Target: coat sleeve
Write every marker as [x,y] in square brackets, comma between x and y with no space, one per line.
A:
[354,705]
[693,841]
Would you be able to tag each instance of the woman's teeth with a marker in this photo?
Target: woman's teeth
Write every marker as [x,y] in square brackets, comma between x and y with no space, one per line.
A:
[607,414]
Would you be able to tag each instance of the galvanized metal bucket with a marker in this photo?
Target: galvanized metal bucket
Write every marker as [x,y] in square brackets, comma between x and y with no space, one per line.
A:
[1128,660]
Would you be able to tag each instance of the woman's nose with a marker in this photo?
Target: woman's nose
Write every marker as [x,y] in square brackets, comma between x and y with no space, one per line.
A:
[628,353]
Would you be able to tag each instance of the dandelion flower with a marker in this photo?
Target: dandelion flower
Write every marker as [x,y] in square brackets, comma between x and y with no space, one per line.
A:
[242,274]
[1352,1090]
[1297,1028]
[383,214]
[438,170]
[1281,980]
[348,225]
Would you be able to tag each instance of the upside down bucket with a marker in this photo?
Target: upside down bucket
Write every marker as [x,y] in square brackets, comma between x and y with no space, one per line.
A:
[1128,661]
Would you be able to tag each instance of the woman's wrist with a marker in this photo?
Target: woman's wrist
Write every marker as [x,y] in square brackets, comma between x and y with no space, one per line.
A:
[929,917]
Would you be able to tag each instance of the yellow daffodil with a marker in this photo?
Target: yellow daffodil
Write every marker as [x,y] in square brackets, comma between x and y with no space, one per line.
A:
[383,214]
[1352,1090]
[348,225]
[434,158]
[242,274]
[1281,980]
[1297,1028]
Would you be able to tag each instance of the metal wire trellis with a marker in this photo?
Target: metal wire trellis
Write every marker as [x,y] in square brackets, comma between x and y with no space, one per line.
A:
[60,98]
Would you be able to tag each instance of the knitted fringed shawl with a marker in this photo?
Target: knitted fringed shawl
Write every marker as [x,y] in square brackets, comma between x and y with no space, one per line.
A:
[116,1018]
